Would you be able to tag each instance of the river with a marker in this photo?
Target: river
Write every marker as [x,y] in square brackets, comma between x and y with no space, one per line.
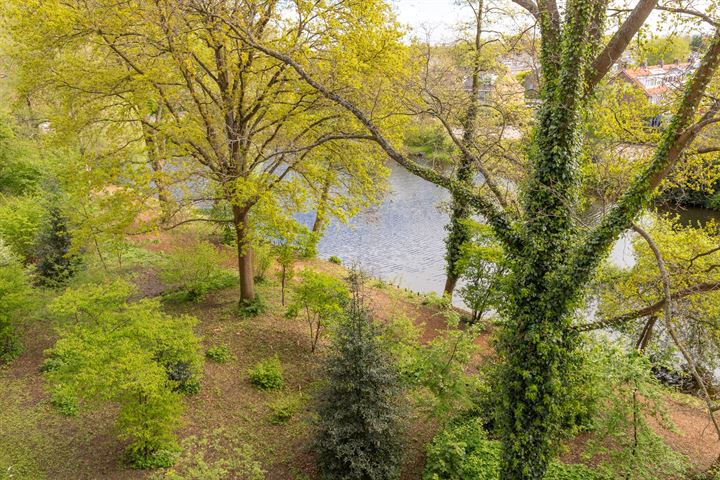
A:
[402,241]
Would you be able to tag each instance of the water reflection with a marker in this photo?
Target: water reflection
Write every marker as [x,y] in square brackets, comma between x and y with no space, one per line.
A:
[401,241]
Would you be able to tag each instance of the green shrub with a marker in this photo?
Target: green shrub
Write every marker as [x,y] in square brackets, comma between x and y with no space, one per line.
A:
[220,354]
[359,434]
[462,451]
[335,260]
[267,374]
[128,353]
[194,271]
[251,308]
[21,219]
[67,405]
[283,409]
[14,292]
[221,455]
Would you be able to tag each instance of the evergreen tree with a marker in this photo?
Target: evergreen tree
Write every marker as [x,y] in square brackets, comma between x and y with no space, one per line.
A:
[55,262]
[359,434]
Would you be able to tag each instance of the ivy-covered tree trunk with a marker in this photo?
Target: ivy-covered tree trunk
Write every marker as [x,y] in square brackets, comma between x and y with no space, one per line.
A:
[241,221]
[551,259]
[549,274]
[458,230]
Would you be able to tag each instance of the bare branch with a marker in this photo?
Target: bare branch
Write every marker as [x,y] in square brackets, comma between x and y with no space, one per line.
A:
[671,329]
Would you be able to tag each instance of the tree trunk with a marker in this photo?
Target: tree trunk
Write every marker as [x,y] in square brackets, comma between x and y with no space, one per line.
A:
[322,202]
[244,250]
[458,231]
[156,157]
[646,334]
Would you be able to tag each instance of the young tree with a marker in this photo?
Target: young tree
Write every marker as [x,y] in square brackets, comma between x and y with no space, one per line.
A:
[481,265]
[551,257]
[320,298]
[472,99]
[359,426]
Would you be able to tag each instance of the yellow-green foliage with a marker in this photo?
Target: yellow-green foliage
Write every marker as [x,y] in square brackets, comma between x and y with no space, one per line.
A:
[14,294]
[130,353]
[20,221]
[194,270]
[267,374]
[283,408]
[321,299]
[221,454]
[220,354]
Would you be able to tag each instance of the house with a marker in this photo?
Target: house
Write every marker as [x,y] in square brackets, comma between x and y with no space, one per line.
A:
[657,80]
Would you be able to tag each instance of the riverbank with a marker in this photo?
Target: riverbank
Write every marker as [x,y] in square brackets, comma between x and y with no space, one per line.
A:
[38,442]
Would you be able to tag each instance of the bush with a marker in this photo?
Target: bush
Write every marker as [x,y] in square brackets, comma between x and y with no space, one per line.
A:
[463,451]
[267,374]
[283,409]
[220,354]
[195,270]
[21,219]
[251,308]
[67,405]
[131,354]
[335,260]
[14,292]
[359,432]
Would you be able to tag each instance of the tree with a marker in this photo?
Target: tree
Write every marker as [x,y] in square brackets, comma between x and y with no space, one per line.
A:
[664,49]
[175,80]
[481,266]
[359,421]
[477,144]
[56,262]
[320,298]
[551,257]
[132,354]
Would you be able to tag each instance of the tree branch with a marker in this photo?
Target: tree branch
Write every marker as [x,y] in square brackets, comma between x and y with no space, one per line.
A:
[495,217]
[650,309]
[618,43]
[587,256]
[671,329]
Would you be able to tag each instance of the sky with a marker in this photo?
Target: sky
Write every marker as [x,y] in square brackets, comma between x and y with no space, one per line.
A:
[439,17]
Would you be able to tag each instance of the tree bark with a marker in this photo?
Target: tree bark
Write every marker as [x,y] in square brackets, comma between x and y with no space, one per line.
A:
[155,156]
[321,214]
[646,334]
[458,231]
[244,250]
